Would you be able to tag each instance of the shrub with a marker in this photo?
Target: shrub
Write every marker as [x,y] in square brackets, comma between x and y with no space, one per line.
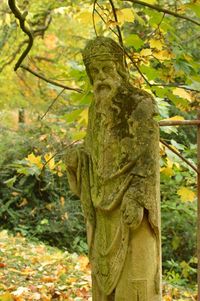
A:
[34,193]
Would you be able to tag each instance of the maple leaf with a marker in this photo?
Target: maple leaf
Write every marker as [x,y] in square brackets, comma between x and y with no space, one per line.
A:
[186,194]
[36,160]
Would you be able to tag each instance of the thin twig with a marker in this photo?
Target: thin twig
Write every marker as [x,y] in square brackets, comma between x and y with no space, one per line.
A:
[174,85]
[22,18]
[138,69]
[93,18]
[166,11]
[117,26]
[41,30]
[127,54]
[24,82]
[58,152]
[13,55]
[179,155]
[50,81]
[158,26]
[105,22]
[52,103]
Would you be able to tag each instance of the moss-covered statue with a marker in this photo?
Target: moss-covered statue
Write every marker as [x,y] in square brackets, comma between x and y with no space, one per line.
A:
[116,175]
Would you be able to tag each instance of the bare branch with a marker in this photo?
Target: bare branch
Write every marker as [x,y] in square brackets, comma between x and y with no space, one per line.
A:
[175,86]
[105,22]
[179,155]
[117,26]
[166,11]
[41,30]
[51,105]
[178,122]
[13,56]
[93,19]
[21,17]
[138,69]
[125,52]
[50,81]
[59,152]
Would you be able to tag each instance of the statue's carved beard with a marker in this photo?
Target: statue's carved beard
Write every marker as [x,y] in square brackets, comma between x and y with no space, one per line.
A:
[105,90]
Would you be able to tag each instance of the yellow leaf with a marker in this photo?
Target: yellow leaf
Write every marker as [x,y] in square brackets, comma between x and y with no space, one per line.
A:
[84,116]
[182,93]
[78,135]
[167,298]
[71,280]
[62,201]
[125,15]
[150,1]
[162,149]
[187,195]
[65,216]
[35,160]
[157,44]
[84,17]
[163,55]
[7,19]
[168,169]
[111,23]
[50,160]
[145,52]
[6,297]
[23,203]
[50,206]
[43,137]
[177,117]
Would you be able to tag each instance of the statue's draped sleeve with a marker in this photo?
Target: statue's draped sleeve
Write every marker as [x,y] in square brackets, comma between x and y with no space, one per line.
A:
[78,164]
[144,189]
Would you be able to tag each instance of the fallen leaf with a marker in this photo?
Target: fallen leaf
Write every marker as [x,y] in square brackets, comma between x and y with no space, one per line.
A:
[6,297]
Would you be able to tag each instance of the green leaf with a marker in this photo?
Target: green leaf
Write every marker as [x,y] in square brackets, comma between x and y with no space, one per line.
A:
[150,72]
[195,7]
[72,116]
[175,242]
[10,182]
[155,17]
[133,40]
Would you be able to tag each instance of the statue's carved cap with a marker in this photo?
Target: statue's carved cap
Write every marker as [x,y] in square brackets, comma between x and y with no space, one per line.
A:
[103,48]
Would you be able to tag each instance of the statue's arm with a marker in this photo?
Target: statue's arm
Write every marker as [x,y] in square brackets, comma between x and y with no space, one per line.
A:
[145,136]
[73,166]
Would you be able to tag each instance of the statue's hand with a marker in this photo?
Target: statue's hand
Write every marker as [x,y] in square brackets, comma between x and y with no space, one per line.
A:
[132,213]
[71,158]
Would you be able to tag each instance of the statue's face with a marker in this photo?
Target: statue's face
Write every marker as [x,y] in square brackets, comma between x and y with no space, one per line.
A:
[106,78]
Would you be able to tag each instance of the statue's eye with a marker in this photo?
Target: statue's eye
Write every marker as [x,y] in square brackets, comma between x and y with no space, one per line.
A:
[94,70]
[107,69]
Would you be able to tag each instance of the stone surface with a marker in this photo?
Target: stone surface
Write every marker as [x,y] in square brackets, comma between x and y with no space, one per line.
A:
[115,172]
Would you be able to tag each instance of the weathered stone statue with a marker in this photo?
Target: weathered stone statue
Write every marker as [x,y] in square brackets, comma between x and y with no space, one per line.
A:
[116,175]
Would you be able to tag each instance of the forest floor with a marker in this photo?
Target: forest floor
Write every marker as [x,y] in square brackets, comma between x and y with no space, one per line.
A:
[33,271]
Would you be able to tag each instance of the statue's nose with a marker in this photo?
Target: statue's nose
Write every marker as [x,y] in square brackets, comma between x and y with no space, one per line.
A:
[101,75]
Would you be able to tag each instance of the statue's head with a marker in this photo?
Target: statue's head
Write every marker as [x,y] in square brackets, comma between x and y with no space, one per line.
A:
[105,65]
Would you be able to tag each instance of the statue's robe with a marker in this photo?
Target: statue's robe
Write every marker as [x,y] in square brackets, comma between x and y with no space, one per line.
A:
[116,176]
